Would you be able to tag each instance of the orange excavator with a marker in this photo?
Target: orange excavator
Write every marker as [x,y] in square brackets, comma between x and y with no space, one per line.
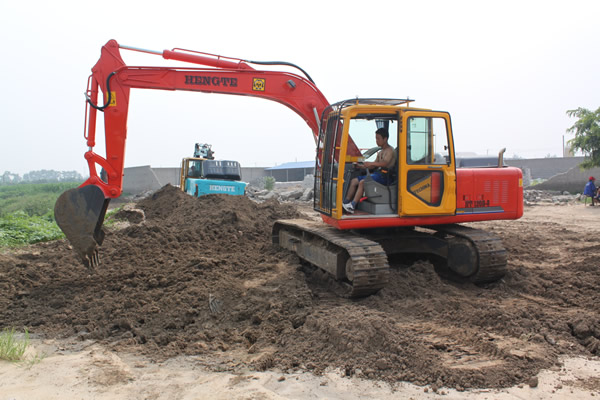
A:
[418,210]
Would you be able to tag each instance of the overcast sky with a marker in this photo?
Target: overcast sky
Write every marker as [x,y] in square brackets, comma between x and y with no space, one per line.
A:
[506,71]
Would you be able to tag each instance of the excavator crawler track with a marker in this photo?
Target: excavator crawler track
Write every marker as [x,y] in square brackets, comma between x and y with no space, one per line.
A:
[489,252]
[360,262]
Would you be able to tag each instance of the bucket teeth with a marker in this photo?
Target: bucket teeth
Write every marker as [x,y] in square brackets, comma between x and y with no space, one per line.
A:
[92,261]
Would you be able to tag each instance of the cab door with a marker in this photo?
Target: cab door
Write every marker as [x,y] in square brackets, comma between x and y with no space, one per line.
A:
[427,184]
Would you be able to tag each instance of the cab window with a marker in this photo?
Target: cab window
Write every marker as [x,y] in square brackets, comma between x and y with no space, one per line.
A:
[427,141]
[362,132]
[195,169]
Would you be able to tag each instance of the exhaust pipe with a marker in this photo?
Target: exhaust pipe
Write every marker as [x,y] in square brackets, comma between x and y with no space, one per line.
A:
[501,158]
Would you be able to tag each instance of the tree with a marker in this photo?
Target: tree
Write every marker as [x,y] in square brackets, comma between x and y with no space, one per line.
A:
[45,176]
[587,135]
[8,178]
[41,176]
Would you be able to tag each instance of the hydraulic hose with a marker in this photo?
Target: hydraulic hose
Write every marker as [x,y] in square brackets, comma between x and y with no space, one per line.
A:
[281,63]
[102,108]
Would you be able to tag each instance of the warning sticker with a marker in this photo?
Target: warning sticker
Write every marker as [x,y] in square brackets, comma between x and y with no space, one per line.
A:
[258,84]
[113,98]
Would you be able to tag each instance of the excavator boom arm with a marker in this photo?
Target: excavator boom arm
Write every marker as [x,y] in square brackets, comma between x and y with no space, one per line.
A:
[288,89]
[226,76]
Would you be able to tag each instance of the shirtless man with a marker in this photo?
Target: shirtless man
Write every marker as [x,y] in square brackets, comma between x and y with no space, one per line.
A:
[386,158]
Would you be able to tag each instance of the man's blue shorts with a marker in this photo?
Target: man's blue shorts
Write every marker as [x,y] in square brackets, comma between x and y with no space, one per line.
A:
[377,177]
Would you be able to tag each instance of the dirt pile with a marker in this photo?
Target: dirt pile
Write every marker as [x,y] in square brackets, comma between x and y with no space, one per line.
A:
[200,277]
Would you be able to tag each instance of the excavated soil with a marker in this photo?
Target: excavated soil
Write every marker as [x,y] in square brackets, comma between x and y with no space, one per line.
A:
[199,276]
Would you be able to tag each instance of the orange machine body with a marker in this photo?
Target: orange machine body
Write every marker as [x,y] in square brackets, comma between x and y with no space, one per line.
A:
[481,193]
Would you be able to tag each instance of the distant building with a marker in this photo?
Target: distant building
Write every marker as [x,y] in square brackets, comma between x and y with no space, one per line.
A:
[291,172]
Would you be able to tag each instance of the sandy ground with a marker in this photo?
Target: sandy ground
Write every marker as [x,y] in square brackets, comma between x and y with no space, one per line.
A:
[109,366]
[94,372]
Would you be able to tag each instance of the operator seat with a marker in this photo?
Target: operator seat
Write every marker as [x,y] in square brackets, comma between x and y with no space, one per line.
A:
[381,199]
[378,193]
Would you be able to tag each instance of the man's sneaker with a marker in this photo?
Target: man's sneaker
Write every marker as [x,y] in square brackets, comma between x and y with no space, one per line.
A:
[349,208]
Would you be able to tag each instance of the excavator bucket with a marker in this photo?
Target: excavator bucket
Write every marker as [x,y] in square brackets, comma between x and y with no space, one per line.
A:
[80,213]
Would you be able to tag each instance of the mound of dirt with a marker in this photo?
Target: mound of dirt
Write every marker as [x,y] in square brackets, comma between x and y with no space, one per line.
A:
[199,276]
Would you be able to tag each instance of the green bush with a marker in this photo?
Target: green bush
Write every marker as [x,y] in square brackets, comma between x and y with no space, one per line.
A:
[269,182]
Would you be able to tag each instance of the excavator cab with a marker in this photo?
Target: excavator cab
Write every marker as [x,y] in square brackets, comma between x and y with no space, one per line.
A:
[423,181]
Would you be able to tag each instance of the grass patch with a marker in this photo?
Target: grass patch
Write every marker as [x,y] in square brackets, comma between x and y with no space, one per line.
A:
[19,229]
[109,219]
[12,348]
[27,213]
[34,199]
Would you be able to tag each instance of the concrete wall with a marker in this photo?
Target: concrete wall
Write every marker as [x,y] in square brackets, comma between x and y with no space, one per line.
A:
[572,181]
[167,175]
[562,174]
[290,174]
[545,168]
[250,174]
[140,179]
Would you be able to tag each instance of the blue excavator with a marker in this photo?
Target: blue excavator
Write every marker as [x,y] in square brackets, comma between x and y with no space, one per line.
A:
[202,174]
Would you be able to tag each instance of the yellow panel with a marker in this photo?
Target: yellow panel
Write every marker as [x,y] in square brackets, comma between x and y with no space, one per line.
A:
[422,189]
